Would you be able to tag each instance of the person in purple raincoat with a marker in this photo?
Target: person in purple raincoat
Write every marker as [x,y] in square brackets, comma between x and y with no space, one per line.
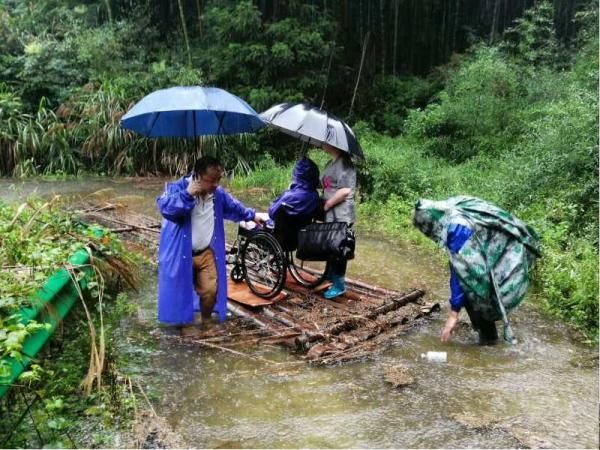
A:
[191,254]
[297,206]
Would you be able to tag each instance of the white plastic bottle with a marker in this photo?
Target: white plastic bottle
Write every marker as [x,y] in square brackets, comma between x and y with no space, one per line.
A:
[440,357]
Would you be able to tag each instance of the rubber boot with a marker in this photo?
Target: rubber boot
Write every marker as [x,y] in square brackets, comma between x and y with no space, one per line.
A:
[337,289]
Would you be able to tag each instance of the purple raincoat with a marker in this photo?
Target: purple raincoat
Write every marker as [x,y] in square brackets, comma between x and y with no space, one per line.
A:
[177,298]
[302,198]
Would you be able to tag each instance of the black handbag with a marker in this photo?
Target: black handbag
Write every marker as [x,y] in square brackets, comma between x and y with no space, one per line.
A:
[324,241]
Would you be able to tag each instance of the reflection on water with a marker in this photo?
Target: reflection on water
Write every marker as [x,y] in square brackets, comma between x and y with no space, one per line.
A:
[214,399]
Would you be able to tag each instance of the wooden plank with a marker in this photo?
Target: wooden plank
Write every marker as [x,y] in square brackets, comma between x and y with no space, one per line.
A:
[293,285]
[241,293]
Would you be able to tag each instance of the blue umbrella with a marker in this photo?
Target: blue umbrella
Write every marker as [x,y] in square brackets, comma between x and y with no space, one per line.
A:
[191,111]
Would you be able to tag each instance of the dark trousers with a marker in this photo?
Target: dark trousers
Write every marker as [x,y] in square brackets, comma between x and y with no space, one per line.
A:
[488,334]
[287,227]
[338,266]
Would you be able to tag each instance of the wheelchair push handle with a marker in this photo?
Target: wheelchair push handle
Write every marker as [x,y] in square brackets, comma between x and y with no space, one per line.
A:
[249,227]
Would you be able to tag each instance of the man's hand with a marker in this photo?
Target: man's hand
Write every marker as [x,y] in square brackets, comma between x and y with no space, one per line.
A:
[261,218]
[194,188]
[449,326]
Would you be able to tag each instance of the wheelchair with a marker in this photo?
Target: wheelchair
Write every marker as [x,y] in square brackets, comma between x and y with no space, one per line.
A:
[264,261]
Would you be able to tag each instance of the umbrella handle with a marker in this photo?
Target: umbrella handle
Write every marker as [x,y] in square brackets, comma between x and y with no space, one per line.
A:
[304,150]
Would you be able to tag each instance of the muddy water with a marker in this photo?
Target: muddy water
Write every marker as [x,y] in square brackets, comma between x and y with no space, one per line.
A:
[542,392]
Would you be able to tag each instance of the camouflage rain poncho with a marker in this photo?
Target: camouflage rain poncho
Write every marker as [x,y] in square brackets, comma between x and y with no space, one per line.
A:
[494,262]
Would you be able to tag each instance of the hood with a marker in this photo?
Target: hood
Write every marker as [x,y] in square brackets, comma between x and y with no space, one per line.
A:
[432,217]
[305,174]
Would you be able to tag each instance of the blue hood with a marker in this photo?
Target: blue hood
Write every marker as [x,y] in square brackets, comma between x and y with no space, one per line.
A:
[302,197]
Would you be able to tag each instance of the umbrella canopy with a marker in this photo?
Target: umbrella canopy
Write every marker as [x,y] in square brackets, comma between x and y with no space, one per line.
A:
[313,125]
[494,264]
[190,111]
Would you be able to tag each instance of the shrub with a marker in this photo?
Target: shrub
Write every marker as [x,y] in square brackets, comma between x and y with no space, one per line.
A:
[385,105]
[568,277]
[474,113]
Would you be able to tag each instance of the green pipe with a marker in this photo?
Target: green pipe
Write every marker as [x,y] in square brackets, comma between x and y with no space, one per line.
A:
[51,303]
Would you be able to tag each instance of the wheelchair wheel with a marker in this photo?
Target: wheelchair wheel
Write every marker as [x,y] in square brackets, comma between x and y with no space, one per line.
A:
[237,273]
[307,273]
[264,265]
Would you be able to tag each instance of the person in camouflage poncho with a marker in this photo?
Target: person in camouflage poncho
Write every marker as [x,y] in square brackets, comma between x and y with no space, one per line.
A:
[490,253]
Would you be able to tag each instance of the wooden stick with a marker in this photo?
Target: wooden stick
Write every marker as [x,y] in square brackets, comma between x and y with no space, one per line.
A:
[286,320]
[225,349]
[122,222]
[304,340]
[146,398]
[266,339]
[240,311]
[244,334]
[119,230]
[372,288]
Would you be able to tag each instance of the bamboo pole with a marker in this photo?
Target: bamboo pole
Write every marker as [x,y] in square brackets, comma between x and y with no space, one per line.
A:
[185,33]
[240,311]
[362,60]
[372,288]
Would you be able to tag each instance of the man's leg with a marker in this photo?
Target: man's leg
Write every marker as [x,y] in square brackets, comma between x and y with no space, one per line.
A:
[205,281]
[488,334]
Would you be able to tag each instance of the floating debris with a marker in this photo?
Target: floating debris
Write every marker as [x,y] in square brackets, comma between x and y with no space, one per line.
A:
[526,439]
[398,376]
[513,427]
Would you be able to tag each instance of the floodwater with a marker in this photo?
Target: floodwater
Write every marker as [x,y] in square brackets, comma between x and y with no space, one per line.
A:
[543,392]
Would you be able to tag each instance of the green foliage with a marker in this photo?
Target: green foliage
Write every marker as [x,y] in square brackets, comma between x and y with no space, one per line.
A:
[48,68]
[585,66]
[532,40]
[35,241]
[475,113]
[11,105]
[385,105]
[568,277]
[64,418]
[559,151]
[266,63]
[273,178]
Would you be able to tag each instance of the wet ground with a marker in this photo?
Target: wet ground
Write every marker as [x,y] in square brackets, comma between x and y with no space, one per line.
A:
[542,392]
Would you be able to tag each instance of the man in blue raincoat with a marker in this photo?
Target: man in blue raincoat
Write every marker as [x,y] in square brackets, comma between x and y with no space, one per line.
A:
[191,254]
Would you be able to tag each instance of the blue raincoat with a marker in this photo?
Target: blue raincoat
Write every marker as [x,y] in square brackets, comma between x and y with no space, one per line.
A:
[302,197]
[177,299]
